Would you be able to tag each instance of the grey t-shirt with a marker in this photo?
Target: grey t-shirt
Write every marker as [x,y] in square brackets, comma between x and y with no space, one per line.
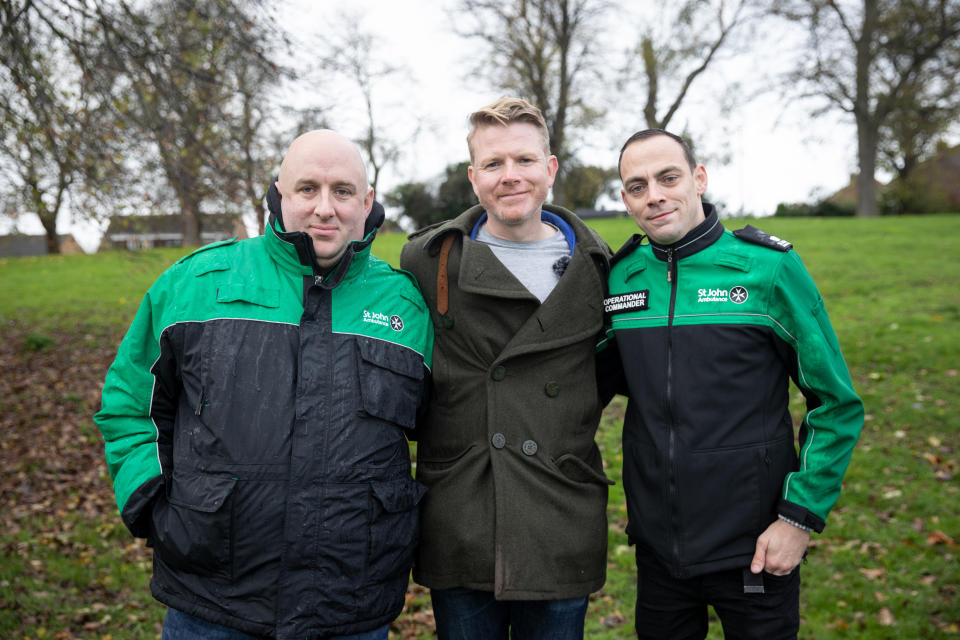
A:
[534,264]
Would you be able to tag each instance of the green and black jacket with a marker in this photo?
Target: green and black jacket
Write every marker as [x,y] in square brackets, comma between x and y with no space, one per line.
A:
[255,421]
[709,330]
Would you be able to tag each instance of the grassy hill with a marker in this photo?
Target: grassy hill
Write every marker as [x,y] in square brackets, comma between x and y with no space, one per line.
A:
[885,567]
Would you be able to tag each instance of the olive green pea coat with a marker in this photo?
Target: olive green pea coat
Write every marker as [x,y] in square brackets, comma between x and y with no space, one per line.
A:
[517,493]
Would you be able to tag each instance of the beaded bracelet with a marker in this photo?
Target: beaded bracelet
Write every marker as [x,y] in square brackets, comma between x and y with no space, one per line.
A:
[794,523]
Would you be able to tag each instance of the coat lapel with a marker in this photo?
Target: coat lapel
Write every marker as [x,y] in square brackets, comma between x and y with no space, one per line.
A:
[572,312]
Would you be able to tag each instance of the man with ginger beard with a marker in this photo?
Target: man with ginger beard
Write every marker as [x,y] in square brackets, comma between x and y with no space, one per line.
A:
[513,527]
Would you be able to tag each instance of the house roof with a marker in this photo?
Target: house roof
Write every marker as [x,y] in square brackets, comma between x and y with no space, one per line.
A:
[20,244]
[941,171]
[167,225]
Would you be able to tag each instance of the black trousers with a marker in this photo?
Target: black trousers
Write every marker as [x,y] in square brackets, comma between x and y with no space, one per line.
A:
[669,607]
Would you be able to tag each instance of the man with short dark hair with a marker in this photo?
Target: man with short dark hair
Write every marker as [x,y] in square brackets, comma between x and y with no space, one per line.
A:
[513,527]
[255,418]
[710,327]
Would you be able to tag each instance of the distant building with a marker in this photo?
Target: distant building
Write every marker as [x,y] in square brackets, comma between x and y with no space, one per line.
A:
[937,179]
[149,232]
[847,196]
[19,244]
[932,186]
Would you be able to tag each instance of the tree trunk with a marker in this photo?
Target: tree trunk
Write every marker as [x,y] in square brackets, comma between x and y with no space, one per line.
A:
[46,213]
[189,207]
[560,190]
[867,161]
[653,83]
[261,216]
[190,218]
[867,126]
[53,240]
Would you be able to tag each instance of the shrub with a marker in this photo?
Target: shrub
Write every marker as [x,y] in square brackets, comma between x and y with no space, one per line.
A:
[821,209]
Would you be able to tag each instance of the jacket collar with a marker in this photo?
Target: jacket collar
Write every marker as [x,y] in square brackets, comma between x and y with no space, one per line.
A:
[294,249]
[697,239]
[545,216]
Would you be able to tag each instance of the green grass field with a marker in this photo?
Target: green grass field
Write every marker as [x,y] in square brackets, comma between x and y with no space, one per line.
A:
[885,567]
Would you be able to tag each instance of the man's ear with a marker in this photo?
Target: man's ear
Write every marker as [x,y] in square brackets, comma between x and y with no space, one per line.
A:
[700,177]
[472,178]
[368,201]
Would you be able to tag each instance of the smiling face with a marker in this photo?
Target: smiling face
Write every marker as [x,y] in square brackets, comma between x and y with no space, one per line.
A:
[660,190]
[324,193]
[511,173]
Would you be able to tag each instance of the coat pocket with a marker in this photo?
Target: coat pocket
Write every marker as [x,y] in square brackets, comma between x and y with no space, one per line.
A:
[192,527]
[394,527]
[390,377]
[576,469]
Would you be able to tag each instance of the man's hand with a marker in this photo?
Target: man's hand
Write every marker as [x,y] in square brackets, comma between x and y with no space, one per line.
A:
[779,549]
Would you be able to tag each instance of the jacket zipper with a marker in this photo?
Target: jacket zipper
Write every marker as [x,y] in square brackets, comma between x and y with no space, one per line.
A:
[672,446]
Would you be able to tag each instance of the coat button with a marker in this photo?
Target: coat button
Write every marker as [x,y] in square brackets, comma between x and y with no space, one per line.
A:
[552,389]
[498,373]
[499,440]
[446,321]
[530,447]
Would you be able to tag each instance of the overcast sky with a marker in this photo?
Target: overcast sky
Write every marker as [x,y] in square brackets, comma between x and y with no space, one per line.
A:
[774,152]
[761,153]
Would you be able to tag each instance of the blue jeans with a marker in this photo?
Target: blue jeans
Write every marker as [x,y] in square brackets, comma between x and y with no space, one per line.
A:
[180,626]
[467,614]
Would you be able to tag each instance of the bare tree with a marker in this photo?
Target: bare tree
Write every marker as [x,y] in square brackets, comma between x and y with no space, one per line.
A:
[54,140]
[187,75]
[678,45]
[543,50]
[930,108]
[873,59]
[256,136]
[353,57]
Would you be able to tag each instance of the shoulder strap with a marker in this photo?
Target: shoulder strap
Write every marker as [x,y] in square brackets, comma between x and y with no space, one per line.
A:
[442,282]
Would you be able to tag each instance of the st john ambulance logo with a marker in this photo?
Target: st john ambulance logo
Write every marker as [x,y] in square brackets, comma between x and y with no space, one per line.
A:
[395,322]
[738,295]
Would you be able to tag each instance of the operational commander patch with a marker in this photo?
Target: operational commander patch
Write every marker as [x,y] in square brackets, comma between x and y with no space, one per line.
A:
[630,301]
[751,234]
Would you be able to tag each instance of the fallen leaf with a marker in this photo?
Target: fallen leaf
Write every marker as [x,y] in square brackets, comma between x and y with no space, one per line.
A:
[873,574]
[939,537]
[840,625]
[886,618]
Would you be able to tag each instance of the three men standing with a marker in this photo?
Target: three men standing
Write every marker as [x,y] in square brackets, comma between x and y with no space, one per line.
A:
[513,527]
[255,415]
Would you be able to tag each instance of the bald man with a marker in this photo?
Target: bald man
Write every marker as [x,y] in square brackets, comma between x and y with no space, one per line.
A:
[256,415]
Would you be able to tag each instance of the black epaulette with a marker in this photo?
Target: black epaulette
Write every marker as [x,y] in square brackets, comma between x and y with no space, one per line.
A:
[751,234]
[627,248]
